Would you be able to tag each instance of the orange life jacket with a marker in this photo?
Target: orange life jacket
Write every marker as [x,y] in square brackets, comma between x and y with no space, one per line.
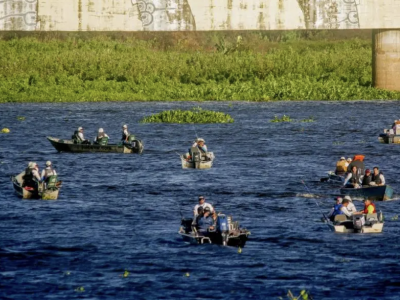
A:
[359,157]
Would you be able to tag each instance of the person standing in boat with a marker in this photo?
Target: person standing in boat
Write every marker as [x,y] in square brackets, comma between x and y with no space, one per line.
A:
[353,179]
[206,222]
[126,135]
[341,166]
[100,136]
[367,178]
[377,178]
[203,204]
[48,171]
[79,138]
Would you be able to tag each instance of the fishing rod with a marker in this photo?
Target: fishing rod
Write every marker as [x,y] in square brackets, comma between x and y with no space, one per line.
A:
[319,207]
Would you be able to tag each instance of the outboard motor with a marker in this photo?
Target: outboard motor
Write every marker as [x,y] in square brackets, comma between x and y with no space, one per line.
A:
[358,222]
[196,157]
[223,228]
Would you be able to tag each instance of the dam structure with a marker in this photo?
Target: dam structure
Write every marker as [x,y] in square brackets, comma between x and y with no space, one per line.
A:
[382,16]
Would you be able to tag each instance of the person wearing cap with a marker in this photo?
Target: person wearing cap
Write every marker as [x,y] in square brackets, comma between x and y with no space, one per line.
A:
[367,178]
[377,178]
[336,209]
[205,222]
[102,137]
[341,166]
[48,171]
[351,207]
[79,138]
[369,207]
[31,176]
[203,204]
[126,136]
[353,179]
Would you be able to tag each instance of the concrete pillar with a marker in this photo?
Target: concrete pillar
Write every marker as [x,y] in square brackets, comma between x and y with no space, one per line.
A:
[386,59]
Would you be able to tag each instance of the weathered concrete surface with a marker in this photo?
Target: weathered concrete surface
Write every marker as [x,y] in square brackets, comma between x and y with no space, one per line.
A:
[164,15]
[386,59]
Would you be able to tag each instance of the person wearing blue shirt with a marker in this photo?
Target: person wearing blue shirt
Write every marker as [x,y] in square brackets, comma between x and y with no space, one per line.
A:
[205,222]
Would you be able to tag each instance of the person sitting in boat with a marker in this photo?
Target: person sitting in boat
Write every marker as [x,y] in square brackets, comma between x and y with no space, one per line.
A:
[48,171]
[369,207]
[31,177]
[377,178]
[203,204]
[358,161]
[206,222]
[341,166]
[101,138]
[353,179]
[336,209]
[79,138]
[351,207]
[367,178]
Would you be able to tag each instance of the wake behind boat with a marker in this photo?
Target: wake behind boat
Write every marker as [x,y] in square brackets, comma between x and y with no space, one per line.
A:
[61,145]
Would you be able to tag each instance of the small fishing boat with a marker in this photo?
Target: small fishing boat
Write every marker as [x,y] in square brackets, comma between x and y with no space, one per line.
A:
[44,191]
[332,177]
[369,223]
[197,160]
[387,138]
[69,146]
[376,193]
[227,233]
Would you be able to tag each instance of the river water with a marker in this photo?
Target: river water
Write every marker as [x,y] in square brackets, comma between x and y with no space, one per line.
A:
[122,212]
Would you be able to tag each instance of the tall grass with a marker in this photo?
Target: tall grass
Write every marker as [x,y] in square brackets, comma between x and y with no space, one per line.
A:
[105,68]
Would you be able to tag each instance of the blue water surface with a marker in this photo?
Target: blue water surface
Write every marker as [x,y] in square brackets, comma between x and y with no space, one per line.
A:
[120,212]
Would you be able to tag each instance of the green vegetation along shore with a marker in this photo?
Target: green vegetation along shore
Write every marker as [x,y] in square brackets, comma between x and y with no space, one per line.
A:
[255,66]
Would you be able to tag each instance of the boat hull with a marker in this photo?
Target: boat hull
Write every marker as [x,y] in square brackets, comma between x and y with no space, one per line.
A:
[376,193]
[26,193]
[237,240]
[375,228]
[389,139]
[332,177]
[69,146]
[203,164]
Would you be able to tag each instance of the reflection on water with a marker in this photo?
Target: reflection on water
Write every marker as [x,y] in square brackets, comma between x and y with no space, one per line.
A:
[122,212]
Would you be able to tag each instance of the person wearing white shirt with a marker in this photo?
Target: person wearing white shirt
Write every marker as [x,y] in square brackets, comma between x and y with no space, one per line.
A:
[204,204]
[377,178]
[48,171]
[351,207]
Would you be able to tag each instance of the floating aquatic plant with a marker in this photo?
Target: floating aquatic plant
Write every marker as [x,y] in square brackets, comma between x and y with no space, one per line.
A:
[308,120]
[196,115]
[338,143]
[395,218]
[304,295]
[20,118]
[284,118]
[5,130]
[80,289]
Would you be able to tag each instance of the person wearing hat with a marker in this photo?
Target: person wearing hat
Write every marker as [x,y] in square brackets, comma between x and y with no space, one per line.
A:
[126,136]
[367,178]
[341,166]
[203,204]
[205,222]
[31,176]
[351,207]
[336,209]
[369,207]
[48,171]
[79,138]
[101,138]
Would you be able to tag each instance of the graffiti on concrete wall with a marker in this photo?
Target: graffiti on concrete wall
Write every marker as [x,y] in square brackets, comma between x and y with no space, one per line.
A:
[165,14]
[18,14]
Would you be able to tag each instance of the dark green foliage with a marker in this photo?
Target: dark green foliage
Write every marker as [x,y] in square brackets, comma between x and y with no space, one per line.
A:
[196,115]
[102,68]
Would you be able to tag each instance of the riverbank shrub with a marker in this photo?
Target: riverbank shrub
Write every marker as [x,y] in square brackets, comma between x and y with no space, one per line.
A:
[196,115]
[256,67]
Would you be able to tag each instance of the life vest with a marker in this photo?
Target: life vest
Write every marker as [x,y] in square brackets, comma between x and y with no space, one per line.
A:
[376,178]
[341,166]
[28,178]
[124,136]
[336,210]
[101,135]
[77,139]
[355,178]
[367,180]
[359,157]
[366,208]
[48,172]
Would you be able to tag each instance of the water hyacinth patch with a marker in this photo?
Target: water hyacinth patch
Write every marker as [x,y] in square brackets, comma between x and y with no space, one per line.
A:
[285,118]
[196,115]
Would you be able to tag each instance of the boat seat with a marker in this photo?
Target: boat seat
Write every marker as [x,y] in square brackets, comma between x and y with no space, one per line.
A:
[372,218]
[340,218]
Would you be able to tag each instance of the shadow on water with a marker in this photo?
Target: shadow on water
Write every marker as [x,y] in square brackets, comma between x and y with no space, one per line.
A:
[122,212]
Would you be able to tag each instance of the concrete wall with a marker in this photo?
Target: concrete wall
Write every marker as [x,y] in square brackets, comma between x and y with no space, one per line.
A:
[156,15]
